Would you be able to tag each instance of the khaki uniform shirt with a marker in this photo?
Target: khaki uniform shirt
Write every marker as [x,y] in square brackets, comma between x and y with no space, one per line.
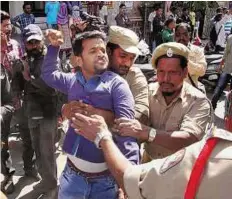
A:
[189,112]
[139,88]
[196,63]
[167,178]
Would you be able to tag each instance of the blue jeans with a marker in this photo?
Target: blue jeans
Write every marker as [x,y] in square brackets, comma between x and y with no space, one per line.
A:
[75,186]
[224,79]
[153,45]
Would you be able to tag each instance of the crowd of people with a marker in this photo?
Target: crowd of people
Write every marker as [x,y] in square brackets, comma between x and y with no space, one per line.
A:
[111,109]
[163,30]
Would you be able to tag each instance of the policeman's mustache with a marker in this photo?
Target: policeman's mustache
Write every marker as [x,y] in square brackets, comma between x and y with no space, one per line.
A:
[162,83]
[124,67]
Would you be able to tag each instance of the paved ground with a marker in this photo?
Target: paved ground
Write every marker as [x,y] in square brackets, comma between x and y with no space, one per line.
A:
[23,185]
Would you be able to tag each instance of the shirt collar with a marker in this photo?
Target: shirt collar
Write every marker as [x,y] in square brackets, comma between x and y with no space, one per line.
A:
[80,77]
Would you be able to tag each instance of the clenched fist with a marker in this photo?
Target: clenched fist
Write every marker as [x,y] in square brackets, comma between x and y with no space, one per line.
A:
[55,37]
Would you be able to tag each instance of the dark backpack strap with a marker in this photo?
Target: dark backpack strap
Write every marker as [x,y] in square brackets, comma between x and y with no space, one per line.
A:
[193,83]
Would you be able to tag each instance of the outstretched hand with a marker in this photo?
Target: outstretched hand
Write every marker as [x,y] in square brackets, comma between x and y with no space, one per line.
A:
[55,37]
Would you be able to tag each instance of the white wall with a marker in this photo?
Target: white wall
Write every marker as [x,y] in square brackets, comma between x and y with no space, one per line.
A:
[15,8]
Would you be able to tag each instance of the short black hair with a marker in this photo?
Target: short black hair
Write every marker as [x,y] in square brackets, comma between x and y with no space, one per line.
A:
[185,9]
[4,16]
[122,5]
[26,4]
[184,25]
[169,20]
[112,46]
[218,17]
[183,60]
[158,7]
[173,8]
[219,10]
[77,43]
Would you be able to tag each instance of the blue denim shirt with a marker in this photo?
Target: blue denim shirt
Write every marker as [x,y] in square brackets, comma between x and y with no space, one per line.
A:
[107,91]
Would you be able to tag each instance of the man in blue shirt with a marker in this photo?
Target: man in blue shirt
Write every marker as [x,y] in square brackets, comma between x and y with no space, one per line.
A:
[86,174]
[24,19]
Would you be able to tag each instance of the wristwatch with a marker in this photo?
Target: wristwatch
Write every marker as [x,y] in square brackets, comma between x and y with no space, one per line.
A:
[104,135]
[151,135]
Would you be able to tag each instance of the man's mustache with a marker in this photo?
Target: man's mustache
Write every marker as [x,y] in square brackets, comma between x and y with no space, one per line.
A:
[181,41]
[166,83]
[124,67]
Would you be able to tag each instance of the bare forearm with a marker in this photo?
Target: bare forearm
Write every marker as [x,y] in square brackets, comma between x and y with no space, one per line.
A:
[107,115]
[116,161]
[175,140]
[16,24]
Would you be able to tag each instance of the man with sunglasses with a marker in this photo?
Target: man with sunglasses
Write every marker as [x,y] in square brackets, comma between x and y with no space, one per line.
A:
[41,107]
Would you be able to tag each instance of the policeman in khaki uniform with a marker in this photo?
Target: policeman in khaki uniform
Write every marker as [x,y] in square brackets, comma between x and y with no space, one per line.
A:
[201,170]
[179,112]
[122,51]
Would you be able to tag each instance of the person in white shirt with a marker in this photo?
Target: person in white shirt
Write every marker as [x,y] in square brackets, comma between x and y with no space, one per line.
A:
[220,30]
[150,21]
[103,12]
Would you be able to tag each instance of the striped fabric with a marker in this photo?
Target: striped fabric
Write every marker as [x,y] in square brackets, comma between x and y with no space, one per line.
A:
[228,26]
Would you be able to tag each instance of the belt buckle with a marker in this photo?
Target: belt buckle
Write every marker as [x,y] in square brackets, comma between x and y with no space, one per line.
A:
[78,172]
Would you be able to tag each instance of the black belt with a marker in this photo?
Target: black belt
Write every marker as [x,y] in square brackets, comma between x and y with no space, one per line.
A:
[86,174]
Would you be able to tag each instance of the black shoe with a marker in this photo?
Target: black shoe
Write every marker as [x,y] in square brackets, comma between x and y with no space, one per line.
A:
[33,173]
[7,185]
